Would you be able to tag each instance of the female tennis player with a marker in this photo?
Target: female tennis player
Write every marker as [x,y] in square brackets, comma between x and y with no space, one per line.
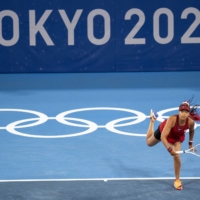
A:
[172,133]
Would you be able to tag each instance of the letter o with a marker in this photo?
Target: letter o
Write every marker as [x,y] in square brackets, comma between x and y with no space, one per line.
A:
[90,26]
[15,19]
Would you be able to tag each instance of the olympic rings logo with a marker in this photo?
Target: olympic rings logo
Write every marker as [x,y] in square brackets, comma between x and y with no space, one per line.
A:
[63,118]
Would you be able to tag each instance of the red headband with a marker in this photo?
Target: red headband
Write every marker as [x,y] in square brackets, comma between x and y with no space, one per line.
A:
[184,107]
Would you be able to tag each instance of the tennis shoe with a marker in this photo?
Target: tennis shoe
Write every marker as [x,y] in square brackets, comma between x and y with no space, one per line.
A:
[178,185]
[153,115]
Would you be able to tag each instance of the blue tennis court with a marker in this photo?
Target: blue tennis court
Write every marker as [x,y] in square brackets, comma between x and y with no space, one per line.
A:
[82,136]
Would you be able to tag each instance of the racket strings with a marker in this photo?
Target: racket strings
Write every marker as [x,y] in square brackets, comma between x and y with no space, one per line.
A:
[197,150]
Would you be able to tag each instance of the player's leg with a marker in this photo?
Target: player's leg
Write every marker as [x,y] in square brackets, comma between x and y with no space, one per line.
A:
[177,166]
[151,140]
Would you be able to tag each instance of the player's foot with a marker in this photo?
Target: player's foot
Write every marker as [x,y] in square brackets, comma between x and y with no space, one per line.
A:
[153,115]
[178,185]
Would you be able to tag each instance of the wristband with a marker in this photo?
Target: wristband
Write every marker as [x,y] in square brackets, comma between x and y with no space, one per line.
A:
[169,149]
[190,142]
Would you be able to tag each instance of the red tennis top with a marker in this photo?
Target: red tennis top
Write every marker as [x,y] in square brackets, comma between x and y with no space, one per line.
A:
[177,133]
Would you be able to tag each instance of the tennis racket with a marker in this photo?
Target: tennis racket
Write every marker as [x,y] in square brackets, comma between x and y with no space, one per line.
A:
[194,151]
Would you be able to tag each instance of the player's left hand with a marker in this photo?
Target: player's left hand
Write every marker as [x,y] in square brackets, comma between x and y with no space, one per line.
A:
[191,147]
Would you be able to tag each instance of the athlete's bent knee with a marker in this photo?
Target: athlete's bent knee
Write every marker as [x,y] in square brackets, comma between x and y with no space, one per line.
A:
[150,144]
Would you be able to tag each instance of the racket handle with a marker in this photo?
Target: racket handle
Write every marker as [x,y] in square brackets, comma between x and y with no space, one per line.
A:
[180,152]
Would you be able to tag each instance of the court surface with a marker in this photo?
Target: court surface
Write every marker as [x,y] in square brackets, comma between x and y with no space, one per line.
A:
[82,136]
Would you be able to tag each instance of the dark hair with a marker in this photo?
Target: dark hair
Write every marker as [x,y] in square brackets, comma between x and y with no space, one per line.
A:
[194,110]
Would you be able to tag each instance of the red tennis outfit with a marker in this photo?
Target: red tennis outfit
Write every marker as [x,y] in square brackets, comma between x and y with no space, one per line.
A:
[177,133]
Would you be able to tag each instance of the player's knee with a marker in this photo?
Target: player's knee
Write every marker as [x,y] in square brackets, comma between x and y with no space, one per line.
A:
[177,158]
[150,144]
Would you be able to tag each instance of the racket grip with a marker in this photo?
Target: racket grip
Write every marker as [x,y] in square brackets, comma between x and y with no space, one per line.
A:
[180,152]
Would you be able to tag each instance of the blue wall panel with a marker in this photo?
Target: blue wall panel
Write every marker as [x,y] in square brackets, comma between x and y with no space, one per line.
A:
[99,36]
[160,50]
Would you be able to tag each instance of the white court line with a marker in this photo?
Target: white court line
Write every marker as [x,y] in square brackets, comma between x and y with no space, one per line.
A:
[98,179]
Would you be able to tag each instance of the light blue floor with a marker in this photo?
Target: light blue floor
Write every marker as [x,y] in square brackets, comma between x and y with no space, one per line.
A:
[101,153]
